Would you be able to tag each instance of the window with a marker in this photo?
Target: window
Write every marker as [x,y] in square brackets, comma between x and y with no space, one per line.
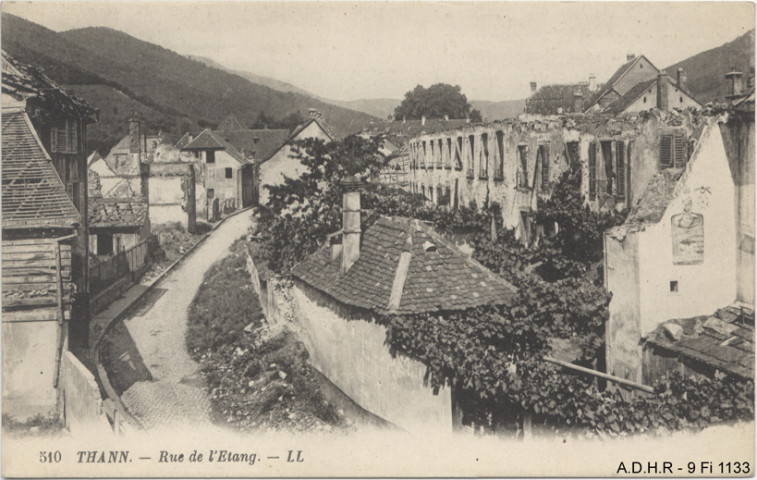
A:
[431,193]
[118,244]
[431,144]
[592,171]
[448,164]
[423,158]
[104,244]
[499,172]
[607,160]
[471,159]
[455,200]
[64,138]
[440,161]
[543,161]
[674,286]
[197,153]
[458,154]
[483,165]
[210,156]
[229,173]
[444,195]
[211,193]
[672,153]
[522,175]
[620,154]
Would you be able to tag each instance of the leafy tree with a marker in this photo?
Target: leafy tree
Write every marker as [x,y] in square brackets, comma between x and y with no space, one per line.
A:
[436,101]
[289,122]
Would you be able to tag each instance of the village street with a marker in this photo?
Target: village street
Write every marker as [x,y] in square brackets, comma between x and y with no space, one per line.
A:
[177,394]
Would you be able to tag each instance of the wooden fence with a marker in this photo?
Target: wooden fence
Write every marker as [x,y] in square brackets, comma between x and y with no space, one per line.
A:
[124,263]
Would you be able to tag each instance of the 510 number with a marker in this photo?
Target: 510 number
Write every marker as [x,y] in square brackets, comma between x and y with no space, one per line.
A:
[50,457]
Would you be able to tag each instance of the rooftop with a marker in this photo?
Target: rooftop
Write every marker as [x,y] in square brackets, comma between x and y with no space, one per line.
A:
[117,212]
[723,340]
[33,194]
[211,140]
[439,278]
[555,99]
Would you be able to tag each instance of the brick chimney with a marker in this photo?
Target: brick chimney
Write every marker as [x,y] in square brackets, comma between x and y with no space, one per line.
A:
[662,91]
[733,84]
[592,82]
[533,87]
[630,56]
[681,79]
[350,222]
[134,133]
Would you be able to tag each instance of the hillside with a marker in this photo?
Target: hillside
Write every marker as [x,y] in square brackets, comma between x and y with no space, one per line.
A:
[172,91]
[491,111]
[706,70]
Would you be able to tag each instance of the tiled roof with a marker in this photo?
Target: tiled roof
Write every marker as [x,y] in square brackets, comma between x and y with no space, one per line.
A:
[321,123]
[438,279]
[116,212]
[610,85]
[626,100]
[231,123]
[33,194]
[210,140]
[259,144]
[550,98]
[23,81]
[724,340]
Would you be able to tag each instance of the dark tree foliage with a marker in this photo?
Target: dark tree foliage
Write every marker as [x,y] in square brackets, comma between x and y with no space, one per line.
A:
[289,122]
[436,101]
[493,355]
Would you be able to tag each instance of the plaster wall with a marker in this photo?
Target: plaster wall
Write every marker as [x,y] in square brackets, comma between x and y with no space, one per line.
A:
[353,355]
[676,99]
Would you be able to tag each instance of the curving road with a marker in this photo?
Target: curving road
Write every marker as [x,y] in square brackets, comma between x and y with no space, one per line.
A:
[177,395]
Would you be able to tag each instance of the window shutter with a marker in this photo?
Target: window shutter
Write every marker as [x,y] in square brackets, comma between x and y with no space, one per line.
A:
[458,154]
[678,151]
[53,139]
[666,147]
[72,136]
[592,171]
[500,173]
[544,151]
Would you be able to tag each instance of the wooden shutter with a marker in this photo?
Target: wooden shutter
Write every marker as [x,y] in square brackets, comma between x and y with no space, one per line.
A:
[678,150]
[544,164]
[458,154]
[54,139]
[621,169]
[500,173]
[592,171]
[666,151]
[483,170]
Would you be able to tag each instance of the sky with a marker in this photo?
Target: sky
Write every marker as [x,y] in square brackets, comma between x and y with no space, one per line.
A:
[352,50]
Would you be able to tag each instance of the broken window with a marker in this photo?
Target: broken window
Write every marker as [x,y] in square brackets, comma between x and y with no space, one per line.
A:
[471,159]
[458,154]
[499,172]
[607,161]
[440,161]
[592,171]
[672,150]
[522,174]
[431,164]
[483,166]
[620,154]
[448,164]
[543,162]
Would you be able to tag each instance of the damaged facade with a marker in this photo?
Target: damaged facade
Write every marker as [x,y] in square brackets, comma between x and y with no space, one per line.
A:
[45,248]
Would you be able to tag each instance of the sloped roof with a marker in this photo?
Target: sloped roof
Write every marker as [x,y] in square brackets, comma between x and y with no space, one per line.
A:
[318,120]
[259,143]
[438,279]
[659,193]
[116,212]
[23,81]
[550,98]
[184,141]
[33,194]
[231,123]
[724,340]
[610,85]
[210,140]
[631,96]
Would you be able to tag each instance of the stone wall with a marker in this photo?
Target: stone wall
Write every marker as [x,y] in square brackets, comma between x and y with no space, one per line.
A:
[82,402]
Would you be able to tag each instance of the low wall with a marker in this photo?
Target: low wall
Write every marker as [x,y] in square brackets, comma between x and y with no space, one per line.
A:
[82,403]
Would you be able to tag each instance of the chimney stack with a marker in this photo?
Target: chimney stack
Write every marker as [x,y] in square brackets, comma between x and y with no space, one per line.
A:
[423,119]
[134,133]
[446,118]
[350,222]
[733,84]
[681,79]
[313,113]
[578,102]
[630,56]
[592,82]
[662,90]
[533,87]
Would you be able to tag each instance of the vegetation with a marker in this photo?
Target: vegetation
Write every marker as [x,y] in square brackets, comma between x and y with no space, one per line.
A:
[116,72]
[492,355]
[436,101]
[258,379]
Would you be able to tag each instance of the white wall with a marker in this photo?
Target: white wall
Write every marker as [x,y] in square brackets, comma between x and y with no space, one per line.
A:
[702,288]
[352,354]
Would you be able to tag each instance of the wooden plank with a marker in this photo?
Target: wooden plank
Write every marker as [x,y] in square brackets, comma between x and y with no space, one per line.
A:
[27,241]
[32,255]
[34,302]
[36,314]
[40,262]
[22,287]
[13,279]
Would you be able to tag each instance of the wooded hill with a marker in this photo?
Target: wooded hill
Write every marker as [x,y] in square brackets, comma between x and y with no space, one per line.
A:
[116,73]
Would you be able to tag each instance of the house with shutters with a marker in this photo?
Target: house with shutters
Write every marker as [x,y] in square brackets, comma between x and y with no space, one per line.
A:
[45,281]
[397,266]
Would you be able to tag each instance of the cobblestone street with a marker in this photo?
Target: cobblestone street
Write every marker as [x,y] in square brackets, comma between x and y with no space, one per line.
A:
[177,395]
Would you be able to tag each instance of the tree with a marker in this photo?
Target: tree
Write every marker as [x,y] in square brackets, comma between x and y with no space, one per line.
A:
[436,101]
